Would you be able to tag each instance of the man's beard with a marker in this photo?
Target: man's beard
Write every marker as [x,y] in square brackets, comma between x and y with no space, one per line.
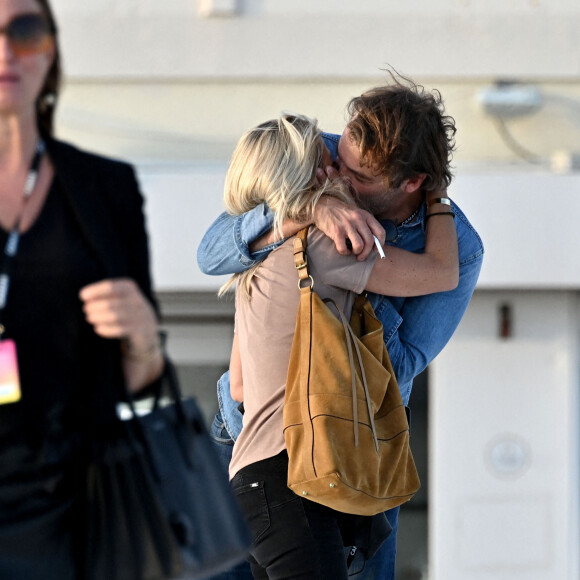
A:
[377,203]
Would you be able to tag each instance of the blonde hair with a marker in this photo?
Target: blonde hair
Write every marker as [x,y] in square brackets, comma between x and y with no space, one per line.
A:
[275,163]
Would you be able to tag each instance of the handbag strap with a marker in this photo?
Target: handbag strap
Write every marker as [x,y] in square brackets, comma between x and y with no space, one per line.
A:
[301,264]
[169,381]
[301,260]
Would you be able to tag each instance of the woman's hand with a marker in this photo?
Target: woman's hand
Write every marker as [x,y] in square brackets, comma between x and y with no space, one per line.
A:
[116,308]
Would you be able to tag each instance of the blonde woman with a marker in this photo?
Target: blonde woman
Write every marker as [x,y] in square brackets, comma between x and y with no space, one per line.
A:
[276,163]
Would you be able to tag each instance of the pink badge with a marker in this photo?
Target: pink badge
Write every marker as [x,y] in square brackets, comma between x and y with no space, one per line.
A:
[9,379]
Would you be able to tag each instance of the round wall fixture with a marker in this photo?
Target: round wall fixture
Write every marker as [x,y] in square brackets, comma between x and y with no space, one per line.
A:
[508,456]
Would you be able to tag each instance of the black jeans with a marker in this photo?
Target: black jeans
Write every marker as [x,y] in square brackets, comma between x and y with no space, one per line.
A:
[292,537]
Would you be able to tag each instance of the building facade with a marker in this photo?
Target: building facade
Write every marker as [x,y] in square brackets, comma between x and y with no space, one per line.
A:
[171,86]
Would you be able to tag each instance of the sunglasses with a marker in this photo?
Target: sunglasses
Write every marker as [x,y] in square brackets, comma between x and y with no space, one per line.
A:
[28,34]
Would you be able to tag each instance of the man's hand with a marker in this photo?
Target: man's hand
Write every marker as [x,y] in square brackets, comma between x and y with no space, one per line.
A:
[342,222]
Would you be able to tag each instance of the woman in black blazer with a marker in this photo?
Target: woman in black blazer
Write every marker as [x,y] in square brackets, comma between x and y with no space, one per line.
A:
[77,314]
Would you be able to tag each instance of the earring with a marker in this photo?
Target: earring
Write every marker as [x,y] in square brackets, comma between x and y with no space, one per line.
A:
[46,102]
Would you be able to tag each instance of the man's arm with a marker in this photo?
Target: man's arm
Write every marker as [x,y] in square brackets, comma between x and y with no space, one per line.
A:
[417,329]
[435,269]
[342,222]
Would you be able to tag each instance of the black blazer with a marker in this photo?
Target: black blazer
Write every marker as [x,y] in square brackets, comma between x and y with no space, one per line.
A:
[104,197]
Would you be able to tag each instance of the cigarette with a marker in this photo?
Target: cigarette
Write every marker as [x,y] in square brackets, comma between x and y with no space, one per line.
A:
[379,247]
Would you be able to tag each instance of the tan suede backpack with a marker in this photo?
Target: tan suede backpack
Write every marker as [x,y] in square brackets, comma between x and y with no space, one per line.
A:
[345,425]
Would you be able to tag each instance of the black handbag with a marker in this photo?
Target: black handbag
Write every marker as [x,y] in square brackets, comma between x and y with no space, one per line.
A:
[159,504]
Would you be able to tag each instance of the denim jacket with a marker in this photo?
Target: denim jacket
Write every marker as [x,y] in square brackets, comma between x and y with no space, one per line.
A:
[415,329]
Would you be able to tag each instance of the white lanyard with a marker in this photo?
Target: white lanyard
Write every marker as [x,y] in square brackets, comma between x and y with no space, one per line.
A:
[11,246]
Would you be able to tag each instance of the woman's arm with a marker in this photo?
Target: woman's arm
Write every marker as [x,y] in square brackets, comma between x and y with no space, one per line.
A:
[404,273]
[236,380]
[117,308]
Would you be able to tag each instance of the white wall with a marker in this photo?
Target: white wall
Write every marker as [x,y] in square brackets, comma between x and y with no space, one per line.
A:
[180,207]
[528,222]
[194,120]
[460,38]
[504,416]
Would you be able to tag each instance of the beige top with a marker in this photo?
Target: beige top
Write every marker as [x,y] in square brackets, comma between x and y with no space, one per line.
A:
[265,326]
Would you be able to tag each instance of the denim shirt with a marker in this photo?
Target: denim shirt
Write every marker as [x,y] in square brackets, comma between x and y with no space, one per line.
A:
[415,329]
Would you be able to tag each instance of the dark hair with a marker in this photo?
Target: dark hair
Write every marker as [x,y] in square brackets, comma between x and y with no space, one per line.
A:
[47,99]
[401,131]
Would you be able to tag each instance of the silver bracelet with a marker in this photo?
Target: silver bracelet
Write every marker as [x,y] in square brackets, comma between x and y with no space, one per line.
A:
[441,200]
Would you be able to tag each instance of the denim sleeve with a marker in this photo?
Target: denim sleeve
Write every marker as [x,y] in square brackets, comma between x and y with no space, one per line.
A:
[224,248]
[417,331]
[229,408]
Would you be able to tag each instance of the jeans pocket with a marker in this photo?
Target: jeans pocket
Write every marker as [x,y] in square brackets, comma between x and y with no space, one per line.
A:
[219,433]
[252,501]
